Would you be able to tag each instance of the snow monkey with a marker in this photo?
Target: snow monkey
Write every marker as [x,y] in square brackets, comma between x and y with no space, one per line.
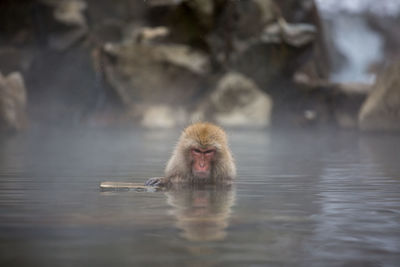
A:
[202,156]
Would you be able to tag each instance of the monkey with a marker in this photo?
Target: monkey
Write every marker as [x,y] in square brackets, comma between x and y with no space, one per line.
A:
[202,156]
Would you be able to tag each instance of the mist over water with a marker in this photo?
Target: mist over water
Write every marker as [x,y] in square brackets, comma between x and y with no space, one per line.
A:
[316,197]
[301,198]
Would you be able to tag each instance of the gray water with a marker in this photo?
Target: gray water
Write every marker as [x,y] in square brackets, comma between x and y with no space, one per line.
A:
[301,199]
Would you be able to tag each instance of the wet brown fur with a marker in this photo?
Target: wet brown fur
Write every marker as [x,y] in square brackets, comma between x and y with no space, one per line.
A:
[201,135]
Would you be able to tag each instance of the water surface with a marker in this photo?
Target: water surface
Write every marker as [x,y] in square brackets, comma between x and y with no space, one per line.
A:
[301,199]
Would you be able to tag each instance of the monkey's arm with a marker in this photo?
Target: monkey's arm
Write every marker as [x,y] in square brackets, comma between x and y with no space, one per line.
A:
[157,181]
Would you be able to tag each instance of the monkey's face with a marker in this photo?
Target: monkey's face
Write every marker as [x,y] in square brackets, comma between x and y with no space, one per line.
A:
[202,160]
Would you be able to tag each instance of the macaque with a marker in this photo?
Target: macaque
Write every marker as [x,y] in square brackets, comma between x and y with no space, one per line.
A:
[202,156]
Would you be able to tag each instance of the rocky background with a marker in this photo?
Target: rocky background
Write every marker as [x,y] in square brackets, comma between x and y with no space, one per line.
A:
[164,63]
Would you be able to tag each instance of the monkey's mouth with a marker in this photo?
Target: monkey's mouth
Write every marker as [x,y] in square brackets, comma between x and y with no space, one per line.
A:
[201,169]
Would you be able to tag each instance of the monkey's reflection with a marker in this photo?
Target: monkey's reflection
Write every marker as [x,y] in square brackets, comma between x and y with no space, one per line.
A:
[202,211]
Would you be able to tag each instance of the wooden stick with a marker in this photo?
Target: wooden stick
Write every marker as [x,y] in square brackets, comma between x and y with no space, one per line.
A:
[125,185]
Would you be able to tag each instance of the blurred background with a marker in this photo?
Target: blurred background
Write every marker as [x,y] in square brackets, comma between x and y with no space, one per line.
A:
[86,86]
[164,63]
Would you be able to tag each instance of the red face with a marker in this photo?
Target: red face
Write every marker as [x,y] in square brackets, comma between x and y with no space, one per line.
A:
[202,161]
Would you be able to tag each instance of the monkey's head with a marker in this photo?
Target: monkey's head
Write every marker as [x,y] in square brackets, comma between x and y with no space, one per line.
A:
[202,154]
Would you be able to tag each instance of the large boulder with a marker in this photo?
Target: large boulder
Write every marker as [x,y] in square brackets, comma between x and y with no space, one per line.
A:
[236,101]
[154,73]
[160,116]
[12,102]
[381,110]
[145,76]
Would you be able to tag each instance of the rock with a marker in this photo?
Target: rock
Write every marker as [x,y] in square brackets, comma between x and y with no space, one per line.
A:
[238,26]
[183,56]
[68,12]
[157,83]
[155,74]
[162,116]
[12,58]
[204,8]
[63,41]
[236,101]
[150,35]
[12,102]
[381,110]
[163,2]
[297,35]
[107,31]
[347,99]
[267,9]
[71,14]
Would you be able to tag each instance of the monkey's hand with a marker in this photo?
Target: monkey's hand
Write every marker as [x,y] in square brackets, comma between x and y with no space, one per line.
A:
[156,181]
